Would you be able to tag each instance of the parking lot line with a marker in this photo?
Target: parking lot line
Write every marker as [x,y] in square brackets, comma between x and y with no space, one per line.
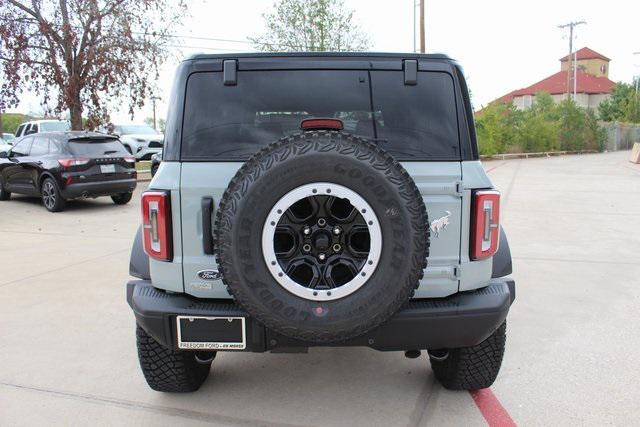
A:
[492,410]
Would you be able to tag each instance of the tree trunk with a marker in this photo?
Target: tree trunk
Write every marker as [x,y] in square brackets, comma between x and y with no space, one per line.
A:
[75,110]
[0,124]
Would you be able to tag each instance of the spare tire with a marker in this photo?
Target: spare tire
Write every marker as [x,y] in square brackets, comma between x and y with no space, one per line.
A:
[322,236]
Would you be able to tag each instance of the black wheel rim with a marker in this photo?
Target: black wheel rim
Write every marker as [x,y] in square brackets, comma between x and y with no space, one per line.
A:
[321,241]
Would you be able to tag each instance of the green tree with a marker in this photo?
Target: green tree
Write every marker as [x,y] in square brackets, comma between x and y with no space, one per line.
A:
[572,124]
[160,123]
[83,56]
[546,126]
[617,107]
[539,129]
[497,128]
[595,136]
[310,25]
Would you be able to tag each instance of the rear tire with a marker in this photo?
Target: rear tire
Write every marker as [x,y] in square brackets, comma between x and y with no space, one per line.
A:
[167,370]
[471,368]
[4,194]
[51,197]
[121,199]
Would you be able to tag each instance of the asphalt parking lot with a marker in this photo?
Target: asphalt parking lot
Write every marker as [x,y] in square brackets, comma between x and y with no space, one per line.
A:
[67,347]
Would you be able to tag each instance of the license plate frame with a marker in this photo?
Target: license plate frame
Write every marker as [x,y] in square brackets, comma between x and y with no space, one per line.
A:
[231,322]
[107,169]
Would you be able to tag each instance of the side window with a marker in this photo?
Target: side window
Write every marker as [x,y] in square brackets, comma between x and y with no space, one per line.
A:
[22,147]
[19,131]
[40,146]
[54,147]
[30,129]
[418,122]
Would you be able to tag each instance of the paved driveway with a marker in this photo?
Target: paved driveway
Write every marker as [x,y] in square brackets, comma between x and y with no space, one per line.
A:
[67,348]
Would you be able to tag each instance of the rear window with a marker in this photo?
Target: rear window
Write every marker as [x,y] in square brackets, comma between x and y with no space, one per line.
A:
[233,122]
[96,147]
[54,126]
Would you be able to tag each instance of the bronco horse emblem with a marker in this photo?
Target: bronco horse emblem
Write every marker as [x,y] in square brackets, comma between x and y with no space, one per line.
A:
[438,225]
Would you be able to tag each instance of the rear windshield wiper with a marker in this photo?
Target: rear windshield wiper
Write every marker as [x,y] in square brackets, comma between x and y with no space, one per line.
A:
[110,151]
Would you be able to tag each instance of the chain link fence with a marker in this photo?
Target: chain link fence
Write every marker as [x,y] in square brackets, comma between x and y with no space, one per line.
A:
[621,136]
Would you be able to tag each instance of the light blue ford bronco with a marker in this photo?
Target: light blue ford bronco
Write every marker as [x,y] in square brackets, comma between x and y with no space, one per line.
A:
[326,199]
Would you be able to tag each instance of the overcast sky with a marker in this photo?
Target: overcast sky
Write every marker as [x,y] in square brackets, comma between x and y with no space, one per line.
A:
[502,45]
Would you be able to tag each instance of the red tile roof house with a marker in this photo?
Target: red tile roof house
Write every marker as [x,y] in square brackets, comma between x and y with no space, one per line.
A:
[592,82]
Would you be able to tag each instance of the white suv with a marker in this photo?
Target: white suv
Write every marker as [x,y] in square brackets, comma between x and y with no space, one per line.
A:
[36,126]
[142,141]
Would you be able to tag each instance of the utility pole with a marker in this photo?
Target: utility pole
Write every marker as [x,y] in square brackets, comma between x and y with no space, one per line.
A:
[422,42]
[414,25]
[153,102]
[637,80]
[571,26]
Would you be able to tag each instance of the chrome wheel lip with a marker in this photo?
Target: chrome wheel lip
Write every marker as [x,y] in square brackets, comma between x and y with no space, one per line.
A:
[320,189]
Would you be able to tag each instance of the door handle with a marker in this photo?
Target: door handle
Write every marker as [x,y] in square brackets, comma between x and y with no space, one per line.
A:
[207,229]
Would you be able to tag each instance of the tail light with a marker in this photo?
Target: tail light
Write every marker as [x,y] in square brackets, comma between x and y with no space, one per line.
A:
[156,225]
[320,124]
[485,232]
[78,161]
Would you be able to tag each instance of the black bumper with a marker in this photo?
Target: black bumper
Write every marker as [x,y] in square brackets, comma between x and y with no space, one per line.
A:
[460,320]
[100,188]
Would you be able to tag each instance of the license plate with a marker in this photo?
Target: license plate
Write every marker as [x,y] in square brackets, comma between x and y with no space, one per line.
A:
[211,333]
[108,168]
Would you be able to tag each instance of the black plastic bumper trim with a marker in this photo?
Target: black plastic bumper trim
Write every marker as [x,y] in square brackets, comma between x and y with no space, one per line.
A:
[460,320]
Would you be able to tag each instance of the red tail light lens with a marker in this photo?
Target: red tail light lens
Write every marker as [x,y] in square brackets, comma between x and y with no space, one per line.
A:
[156,225]
[319,124]
[485,231]
[67,163]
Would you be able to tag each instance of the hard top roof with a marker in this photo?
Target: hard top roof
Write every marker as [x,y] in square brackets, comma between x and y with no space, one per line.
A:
[323,55]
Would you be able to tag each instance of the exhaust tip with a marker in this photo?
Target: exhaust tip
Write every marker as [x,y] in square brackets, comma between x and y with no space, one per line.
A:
[205,357]
[412,354]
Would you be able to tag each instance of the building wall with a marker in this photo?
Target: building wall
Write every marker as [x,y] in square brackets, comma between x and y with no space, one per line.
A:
[590,66]
[582,99]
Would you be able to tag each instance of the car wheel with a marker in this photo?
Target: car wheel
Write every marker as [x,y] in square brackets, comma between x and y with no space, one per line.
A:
[4,194]
[51,197]
[121,199]
[470,368]
[171,371]
[300,234]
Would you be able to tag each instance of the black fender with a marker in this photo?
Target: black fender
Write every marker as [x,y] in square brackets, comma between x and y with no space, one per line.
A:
[139,260]
[502,259]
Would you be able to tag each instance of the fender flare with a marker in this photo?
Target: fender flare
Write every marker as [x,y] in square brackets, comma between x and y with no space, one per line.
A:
[502,259]
[139,260]
[42,177]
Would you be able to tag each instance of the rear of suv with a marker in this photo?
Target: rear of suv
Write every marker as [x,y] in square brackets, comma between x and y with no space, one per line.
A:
[320,200]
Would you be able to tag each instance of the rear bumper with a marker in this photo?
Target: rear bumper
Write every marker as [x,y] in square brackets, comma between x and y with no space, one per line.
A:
[460,320]
[97,189]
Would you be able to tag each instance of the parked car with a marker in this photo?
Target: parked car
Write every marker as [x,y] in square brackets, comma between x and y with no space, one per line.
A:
[5,146]
[320,200]
[7,137]
[36,126]
[59,166]
[156,159]
[142,141]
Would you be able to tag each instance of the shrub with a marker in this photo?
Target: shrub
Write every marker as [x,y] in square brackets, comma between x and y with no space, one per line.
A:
[546,126]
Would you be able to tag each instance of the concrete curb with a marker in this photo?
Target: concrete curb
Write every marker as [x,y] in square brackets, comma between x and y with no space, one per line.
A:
[531,155]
